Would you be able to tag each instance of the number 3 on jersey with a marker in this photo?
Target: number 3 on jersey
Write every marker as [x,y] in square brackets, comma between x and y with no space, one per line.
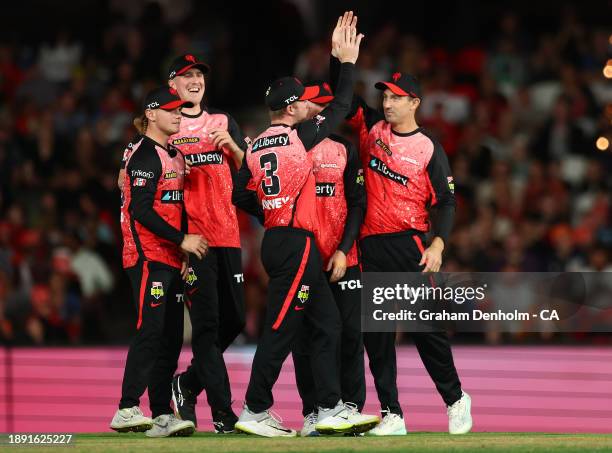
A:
[270,184]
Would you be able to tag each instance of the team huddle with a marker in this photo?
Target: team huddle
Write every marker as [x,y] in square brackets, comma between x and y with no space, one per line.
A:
[330,211]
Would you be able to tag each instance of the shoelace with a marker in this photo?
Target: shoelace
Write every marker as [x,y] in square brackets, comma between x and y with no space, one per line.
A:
[455,409]
[136,411]
[311,418]
[163,420]
[351,408]
[387,418]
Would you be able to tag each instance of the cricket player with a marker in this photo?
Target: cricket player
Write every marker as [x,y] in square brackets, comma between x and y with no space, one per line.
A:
[340,204]
[406,172]
[276,181]
[153,249]
[213,144]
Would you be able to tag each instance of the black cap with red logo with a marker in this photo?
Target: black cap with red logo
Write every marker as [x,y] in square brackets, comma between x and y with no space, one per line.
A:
[184,63]
[402,85]
[164,98]
[324,95]
[286,91]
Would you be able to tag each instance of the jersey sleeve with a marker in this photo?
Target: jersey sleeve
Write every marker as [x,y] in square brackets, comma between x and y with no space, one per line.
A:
[443,193]
[243,197]
[128,150]
[361,117]
[314,131]
[355,195]
[145,166]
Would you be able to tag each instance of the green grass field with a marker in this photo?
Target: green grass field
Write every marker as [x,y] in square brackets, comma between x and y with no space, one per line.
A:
[417,442]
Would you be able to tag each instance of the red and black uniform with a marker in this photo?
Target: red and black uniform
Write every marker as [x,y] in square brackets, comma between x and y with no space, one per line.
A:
[129,148]
[276,183]
[151,221]
[215,286]
[406,175]
[340,204]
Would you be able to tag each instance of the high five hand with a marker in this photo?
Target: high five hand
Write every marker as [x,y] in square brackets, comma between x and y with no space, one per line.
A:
[345,39]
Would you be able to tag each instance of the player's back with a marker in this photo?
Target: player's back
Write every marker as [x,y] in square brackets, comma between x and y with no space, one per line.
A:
[282,177]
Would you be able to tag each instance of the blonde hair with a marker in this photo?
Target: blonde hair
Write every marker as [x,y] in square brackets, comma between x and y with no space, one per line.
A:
[141,123]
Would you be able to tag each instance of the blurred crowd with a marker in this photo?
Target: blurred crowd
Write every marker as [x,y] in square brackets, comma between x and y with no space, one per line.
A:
[518,114]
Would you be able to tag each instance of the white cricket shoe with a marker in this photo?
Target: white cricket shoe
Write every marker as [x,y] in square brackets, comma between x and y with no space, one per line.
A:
[130,419]
[391,425]
[263,424]
[460,415]
[167,425]
[309,429]
[344,418]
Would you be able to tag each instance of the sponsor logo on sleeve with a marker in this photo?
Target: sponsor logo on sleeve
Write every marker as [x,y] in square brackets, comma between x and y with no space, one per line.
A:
[451,184]
[142,174]
[170,175]
[126,153]
[326,189]
[270,142]
[380,167]
[360,179]
[171,196]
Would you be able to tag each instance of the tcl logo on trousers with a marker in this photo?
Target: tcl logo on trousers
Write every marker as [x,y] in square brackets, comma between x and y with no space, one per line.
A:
[350,284]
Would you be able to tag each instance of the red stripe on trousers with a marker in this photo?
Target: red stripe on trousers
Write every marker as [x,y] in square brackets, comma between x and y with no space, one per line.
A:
[293,288]
[419,243]
[143,285]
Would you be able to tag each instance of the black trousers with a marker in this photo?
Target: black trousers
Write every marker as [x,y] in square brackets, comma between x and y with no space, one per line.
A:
[153,355]
[297,291]
[401,252]
[215,298]
[347,295]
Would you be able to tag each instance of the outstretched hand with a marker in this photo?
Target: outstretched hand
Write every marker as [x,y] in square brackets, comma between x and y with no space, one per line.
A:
[345,39]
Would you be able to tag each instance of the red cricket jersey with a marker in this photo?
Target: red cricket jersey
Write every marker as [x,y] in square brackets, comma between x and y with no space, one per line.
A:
[208,187]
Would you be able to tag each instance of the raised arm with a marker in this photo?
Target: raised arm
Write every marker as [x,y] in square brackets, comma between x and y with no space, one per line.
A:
[346,48]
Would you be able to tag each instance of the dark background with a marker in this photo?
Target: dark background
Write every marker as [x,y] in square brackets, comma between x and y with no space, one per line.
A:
[515,91]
